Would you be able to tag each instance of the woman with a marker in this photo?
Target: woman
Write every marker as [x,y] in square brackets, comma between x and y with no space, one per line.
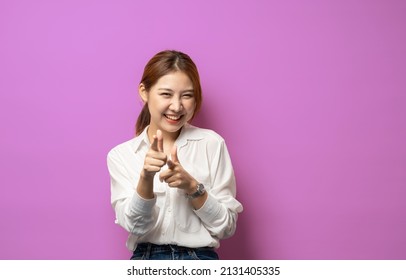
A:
[172,186]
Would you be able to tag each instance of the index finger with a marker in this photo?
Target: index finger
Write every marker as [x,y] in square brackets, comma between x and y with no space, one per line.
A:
[174,153]
[160,140]
[154,145]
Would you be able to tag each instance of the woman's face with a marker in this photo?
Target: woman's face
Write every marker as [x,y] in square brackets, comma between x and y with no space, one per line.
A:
[171,102]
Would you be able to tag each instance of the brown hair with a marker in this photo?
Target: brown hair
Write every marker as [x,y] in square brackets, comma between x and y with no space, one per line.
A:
[161,64]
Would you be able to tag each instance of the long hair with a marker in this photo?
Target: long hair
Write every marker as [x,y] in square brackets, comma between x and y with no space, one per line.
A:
[161,64]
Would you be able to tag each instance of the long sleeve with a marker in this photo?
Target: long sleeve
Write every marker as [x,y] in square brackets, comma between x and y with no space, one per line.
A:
[220,211]
[135,214]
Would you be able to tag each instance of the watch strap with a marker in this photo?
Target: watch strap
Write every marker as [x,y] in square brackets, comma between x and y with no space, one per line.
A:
[200,190]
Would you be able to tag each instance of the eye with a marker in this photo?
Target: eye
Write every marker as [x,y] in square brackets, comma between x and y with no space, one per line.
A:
[165,94]
[188,95]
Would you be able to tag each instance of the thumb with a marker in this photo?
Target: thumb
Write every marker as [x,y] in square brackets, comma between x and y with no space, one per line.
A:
[170,164]
[174,154]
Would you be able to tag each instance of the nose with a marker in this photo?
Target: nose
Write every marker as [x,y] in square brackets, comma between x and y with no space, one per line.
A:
[176,105]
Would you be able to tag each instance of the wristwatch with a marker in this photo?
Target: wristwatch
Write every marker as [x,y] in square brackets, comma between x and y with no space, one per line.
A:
[200,190]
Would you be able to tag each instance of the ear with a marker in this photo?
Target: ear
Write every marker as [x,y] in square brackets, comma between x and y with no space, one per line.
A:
[143,93]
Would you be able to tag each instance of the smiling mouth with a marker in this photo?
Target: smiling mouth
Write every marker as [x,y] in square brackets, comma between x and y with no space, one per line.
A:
[173,118]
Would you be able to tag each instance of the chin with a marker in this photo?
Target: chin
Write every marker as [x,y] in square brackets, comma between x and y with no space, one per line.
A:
[172,128]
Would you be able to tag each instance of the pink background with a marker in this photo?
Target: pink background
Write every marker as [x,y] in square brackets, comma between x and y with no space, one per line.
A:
[309,95]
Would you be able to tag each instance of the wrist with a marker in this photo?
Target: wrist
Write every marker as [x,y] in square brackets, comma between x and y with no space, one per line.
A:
[192,187]
[198,191]
[147,176]
[145,187]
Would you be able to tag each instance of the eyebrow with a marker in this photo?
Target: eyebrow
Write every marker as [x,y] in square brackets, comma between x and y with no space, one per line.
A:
[183,91]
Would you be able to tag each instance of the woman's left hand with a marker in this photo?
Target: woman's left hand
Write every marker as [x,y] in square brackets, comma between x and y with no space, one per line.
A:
[176,176]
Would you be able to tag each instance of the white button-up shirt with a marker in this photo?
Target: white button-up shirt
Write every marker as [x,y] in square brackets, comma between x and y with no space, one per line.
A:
[169,217]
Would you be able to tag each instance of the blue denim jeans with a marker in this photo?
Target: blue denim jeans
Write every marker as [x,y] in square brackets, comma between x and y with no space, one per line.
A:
[149,251]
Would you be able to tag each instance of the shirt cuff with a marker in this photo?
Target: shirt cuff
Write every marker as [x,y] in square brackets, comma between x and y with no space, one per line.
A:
[210,210]
[141,205]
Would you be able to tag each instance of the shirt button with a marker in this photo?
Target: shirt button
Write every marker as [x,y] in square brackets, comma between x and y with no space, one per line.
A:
[169,209]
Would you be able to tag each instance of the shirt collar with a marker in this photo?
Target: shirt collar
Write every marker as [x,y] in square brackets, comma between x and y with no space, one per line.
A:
[140,140]
[188,133]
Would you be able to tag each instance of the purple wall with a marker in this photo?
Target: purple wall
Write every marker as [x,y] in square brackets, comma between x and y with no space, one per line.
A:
[310,98]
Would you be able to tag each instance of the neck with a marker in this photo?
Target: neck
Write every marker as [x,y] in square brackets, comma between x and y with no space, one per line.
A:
[167,136]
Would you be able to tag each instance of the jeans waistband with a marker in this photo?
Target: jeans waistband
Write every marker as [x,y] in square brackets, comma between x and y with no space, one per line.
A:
[167,248]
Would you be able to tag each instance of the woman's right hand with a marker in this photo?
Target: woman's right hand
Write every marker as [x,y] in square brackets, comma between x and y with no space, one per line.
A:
[155,158]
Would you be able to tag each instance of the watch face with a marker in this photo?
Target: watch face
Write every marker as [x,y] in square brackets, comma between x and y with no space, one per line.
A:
[200,188]
[199,191]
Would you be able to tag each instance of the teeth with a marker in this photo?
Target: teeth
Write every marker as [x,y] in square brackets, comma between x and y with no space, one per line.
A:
[174,118]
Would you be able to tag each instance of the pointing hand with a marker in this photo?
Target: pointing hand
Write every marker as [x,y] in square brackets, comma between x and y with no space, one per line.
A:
[155,158]
[176,176]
